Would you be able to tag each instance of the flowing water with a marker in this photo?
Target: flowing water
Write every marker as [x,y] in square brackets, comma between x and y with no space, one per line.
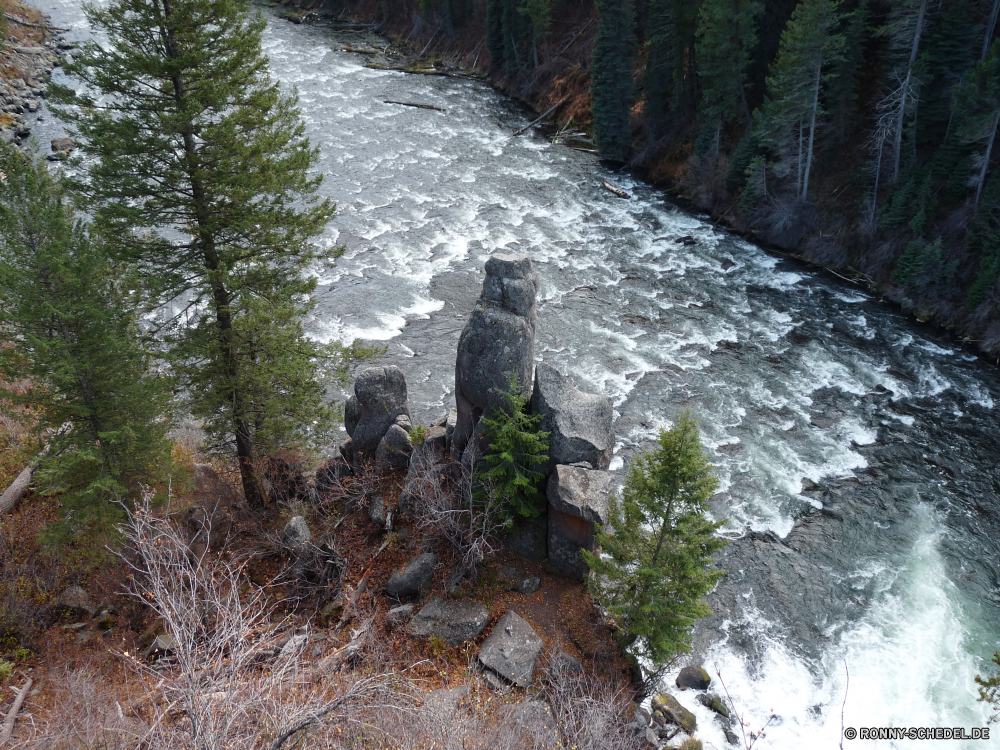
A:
[887,566]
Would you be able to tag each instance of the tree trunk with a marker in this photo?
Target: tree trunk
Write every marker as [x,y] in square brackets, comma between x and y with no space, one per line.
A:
[914,47]
[990,26]
[986,160]
[812,136]
[17,490]
[221,299]
[7,732]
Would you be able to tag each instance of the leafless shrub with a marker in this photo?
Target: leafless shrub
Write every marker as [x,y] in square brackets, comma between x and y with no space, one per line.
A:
[221,685]
[85,717]
[590,713]
[446,501]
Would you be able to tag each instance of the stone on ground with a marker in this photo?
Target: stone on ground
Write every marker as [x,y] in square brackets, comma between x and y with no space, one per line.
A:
[415,578]
[453,622]
[512,650]
[77,601]
[296,534]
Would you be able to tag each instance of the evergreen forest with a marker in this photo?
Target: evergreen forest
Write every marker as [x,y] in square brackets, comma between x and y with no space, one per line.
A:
[858,134]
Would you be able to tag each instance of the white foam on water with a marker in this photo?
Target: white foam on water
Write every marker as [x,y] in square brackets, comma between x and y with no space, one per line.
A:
[907,657]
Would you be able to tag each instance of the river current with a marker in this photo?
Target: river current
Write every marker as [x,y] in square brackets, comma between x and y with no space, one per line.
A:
[858,451]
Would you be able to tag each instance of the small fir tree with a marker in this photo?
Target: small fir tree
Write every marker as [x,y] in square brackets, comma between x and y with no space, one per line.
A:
[68,314]
[657,564]
[611,85]
[515,448]
[989,689]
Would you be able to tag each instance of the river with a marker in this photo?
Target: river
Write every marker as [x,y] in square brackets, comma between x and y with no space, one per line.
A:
[888,564]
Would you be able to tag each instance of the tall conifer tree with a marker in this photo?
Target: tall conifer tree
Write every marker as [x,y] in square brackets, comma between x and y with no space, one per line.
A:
[202,172]
[70,314]
[794,108]
[611,78]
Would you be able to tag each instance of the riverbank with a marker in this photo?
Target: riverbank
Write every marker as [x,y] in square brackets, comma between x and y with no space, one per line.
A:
[829,233]
[31,50]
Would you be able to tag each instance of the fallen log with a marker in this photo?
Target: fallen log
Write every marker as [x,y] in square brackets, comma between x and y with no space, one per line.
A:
[8,725]
[541,117]
[415,104]
[616,190]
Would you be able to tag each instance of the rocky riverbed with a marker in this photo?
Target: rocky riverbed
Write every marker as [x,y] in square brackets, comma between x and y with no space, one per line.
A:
[26,63]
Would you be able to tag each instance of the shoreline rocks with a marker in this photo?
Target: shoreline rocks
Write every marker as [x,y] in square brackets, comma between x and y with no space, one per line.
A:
[20,99]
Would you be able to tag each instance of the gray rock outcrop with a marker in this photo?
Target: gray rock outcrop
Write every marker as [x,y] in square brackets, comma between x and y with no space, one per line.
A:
[579,423]
[453,622]
[512,650]
[379,402]
[578,500]
[415,578]
[398,616]
[498,340]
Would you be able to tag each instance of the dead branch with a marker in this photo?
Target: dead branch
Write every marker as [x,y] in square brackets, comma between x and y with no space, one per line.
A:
[541,117]
[415,104]
[19,487]
[8,725]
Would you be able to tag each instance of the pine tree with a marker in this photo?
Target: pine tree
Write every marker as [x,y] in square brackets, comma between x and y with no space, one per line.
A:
[202,173]
[515,448]
[494,33]
[611,78]
[657,565]
[989,689]
[726,37]
[69,314]
[978,111]
[794,108]
[670,76]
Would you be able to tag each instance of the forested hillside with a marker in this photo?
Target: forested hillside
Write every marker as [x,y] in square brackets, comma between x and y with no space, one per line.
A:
[859,134]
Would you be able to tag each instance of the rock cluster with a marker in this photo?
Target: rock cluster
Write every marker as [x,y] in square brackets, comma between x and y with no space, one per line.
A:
[377,418]
[21,95]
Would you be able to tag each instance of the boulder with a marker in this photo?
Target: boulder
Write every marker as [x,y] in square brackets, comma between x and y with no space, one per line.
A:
[528,586]
[565,663]
[578,500]
[498,341]
[579,424]
[398,616]
[76,600]
[694,678]
[668,710]
[415,578]
[394,449]
[453,622]
[512,649]
[529,538]
[330,474]
[715,703]
[162,645]
[63,145]
[296,534]
[381,398]
[446,703]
